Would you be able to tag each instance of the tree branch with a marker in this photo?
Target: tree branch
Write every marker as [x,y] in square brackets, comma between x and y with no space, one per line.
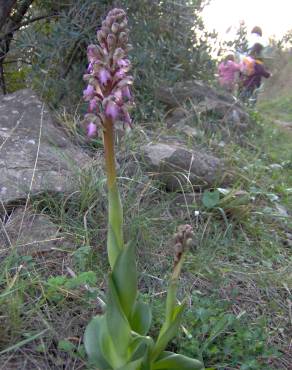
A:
[29,21]
[16,61]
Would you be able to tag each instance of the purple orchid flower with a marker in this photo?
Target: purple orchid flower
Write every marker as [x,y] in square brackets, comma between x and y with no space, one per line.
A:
[91,129]
[88,93]
[112,110]
[92,105]
[126,92]
[104,76]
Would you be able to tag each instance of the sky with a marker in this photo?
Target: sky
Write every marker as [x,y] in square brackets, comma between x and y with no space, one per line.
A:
[273,16]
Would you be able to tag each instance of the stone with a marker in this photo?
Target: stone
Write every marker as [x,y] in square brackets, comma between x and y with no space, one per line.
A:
[284,125]
[180,168]
[206,100]
[29,233]
[36,156]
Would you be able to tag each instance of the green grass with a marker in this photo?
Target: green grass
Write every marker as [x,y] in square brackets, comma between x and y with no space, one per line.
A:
[236,278]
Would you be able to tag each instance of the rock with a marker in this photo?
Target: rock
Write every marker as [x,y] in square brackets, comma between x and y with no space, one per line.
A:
[179,167]
[288,240]
[189,131]
[35,154]
[284,125]
[176,116]
[196,90]
[206,99]
[182,121]
[227,112]
[281,210]
[29,233]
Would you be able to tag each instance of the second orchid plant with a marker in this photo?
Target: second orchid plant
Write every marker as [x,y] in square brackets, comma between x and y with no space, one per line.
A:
[118,339]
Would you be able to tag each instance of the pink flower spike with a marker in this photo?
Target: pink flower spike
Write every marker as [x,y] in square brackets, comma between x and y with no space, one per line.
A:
[91,129]
[88,93]
[104,76]
[112,110]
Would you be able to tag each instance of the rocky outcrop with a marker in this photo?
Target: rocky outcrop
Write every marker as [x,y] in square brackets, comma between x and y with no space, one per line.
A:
[206,101]
[180,168]
[35,155]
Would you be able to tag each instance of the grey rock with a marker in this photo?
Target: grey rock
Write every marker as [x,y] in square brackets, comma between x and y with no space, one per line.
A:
[206,99]
[284,125]
[35,155]
[180,168]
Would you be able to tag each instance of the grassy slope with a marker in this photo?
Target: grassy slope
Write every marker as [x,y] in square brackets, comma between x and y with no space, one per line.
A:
[237,279]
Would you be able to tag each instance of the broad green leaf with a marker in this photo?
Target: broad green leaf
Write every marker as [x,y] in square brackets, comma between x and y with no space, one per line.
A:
[92,342]
[66,346]
[113,248]
[141,318]
[125,279]
[140,347]
[134,365]
[167,333]
[211,198]
[118,326]
[170,360]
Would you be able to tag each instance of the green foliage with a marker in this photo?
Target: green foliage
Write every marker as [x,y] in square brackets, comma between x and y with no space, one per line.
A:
[111,341]
[59,287]
[224,339]
[170,44]
[240,42]
[220,338]
[211,199]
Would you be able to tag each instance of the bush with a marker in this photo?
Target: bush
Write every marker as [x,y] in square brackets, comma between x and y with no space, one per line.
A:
[169,39]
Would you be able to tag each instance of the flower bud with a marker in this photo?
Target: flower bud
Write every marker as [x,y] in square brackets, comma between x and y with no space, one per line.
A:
[123,38]
[123,24]
[128,47]
[111,41]
[101,37]
[118,54]
[125,82]
[115,27]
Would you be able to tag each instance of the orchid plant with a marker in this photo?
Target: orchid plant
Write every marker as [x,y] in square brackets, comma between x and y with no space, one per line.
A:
[118,339]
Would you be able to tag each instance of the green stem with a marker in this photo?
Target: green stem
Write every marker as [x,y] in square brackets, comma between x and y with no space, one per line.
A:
[115,212]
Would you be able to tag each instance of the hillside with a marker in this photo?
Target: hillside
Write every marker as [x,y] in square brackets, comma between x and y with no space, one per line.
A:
[237,276]
[145,212]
